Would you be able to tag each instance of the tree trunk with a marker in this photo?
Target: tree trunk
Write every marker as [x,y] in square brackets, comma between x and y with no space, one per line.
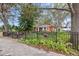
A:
[75,25]
[4,16]
[5,21]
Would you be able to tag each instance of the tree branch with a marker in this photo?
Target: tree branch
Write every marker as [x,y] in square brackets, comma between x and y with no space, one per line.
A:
[70,7]
[56,9]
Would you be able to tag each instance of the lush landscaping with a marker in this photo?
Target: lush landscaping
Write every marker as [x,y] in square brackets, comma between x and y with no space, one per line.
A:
[49,43]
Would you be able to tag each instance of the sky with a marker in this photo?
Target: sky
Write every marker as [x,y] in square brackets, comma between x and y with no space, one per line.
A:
[44,5]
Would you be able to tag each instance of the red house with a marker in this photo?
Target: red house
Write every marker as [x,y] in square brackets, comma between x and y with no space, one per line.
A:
[45,28]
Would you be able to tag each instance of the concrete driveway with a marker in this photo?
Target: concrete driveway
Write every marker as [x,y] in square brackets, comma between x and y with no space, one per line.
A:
[10,47]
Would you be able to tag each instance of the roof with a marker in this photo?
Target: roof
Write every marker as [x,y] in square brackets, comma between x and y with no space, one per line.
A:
[45,25]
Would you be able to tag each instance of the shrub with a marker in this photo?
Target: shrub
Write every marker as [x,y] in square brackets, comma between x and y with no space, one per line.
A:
[61,44]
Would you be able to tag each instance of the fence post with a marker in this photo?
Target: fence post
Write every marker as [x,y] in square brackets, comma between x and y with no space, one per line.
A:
[25,34]
[56,37]
[37,35]
[74,40]
[77,40]
[12,34]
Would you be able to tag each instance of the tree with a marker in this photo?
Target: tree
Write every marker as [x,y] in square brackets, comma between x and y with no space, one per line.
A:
[59,17]
[5,13]
[46,18]
[74,7]
[59,14]
[3,10]
[28,13]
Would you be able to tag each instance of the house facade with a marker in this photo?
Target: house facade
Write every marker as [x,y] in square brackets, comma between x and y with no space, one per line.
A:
[45,28]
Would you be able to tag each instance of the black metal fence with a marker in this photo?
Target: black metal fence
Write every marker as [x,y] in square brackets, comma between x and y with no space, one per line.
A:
[75,39]
[68,37]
